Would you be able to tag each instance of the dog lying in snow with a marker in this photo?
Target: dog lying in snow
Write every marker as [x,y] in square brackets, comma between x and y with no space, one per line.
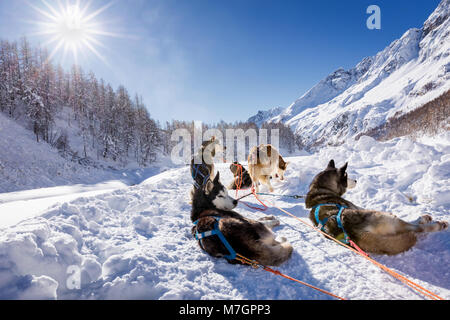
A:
[238,176]
[264,162]
[253,239]
[373,231]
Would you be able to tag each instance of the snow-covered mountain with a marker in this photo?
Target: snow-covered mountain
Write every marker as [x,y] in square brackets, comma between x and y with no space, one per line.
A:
[262,116]
[410,72]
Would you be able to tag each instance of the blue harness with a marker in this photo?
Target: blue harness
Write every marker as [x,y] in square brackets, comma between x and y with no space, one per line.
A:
[196,172]
[322,223]
[216,232]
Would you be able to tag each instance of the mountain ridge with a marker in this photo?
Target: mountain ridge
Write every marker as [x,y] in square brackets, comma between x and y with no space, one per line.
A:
[405,75]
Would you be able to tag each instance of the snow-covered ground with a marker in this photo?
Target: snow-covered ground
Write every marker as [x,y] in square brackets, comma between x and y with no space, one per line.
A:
[28,165]
[135,242]
[21,205]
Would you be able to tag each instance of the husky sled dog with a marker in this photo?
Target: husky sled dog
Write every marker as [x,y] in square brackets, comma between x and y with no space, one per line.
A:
[241,178]
[373,231]
[212,206]
[202,164]
[264,162]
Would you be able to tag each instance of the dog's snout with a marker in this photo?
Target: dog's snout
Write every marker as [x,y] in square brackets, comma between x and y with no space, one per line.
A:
[235,202]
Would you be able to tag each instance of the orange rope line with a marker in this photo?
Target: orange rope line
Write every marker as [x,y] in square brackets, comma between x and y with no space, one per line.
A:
[257,265]
[238,181]
[396,275]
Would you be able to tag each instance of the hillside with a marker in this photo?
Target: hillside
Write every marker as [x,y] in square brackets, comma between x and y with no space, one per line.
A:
[406,75]
[26,164]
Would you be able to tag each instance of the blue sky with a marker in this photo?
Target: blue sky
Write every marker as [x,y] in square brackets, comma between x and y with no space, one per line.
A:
[214,60]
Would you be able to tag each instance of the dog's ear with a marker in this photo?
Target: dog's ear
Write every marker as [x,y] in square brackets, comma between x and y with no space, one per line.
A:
[344,168]
[217,178]
[331,165]
[208,187]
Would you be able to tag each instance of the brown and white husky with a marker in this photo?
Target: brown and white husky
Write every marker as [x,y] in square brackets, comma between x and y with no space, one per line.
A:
[373,231]
[265,162]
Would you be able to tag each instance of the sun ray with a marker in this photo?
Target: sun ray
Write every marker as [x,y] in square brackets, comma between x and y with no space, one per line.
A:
[55,50]
[44,13]
[96,42]
[66,49]
[71,28]
[54,12]
[99,11]
[60,6]
[94,51]
[83,11]
[52,40]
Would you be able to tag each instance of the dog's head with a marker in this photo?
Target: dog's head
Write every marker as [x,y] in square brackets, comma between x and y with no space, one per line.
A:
[217,194]
[282,166]
[333,179]
[213,146]
[234,168]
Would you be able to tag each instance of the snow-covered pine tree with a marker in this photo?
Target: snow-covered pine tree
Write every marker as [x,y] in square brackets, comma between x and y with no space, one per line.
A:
[34,91]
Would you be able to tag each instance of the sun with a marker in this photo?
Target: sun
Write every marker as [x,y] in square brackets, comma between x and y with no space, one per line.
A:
[71,27]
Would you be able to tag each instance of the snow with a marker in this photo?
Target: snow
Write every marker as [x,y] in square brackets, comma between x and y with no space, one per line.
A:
[407,74]
[135,242]
[28,165]
[30,203]
[34,177]
[25,164]
[263,116]
[69,231]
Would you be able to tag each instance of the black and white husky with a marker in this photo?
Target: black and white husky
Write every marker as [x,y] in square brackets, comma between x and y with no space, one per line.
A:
[373,231]
[212,206]
[202,163]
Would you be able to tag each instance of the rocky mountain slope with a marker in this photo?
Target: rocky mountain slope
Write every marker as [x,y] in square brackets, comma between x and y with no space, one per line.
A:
[409,73]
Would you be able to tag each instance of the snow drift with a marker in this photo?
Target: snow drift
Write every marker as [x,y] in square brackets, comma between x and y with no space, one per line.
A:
[136,243]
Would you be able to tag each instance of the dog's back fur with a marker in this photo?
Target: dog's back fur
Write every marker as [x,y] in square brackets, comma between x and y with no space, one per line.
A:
[240,178]
[250,238]
[374,231]
[265,162]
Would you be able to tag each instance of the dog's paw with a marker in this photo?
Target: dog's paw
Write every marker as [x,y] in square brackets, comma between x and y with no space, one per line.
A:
[267,218]
[425,219]
[270,222]
[281,239]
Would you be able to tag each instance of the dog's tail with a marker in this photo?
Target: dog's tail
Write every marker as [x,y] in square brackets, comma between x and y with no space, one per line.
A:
[279,254]
[386,244]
